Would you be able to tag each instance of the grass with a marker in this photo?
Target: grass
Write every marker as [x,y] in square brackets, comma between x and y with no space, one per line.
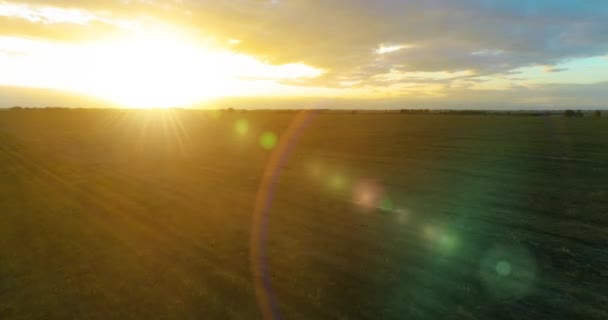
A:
[111,214]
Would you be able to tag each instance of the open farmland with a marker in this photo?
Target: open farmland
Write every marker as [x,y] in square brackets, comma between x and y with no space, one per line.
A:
[110,214]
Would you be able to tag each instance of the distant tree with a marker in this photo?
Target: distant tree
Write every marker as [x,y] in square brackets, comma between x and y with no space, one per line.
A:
[579,114]
[597,114]
[569,113]
[16,108]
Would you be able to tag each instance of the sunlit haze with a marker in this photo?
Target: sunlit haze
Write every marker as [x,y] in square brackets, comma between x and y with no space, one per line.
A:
[480,54]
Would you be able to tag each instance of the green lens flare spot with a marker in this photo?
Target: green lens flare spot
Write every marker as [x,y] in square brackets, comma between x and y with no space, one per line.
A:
[509,271]
[430,232]
[448,242]
[242,127]
[268,140]
[386,204]
[337,182]
[503,268]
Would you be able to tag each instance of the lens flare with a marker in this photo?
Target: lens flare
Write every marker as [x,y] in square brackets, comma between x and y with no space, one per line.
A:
[402,215]
[268,140]
[503,268]
[367,194]
[258,254]
[242,127]
[386,204]
[316,169]
[447,242]
[337,182]
[508,271]
[431,233]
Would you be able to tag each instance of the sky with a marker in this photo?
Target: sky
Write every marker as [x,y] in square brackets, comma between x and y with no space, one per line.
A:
[467,54]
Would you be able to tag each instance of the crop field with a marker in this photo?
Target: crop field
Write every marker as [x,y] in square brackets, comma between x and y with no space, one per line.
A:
[177,214]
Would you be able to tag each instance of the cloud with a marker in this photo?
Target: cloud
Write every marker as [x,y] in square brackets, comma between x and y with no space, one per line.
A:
[334,34]
[446,34]
[345,38]
[74,24]
[64,32]
[554,69]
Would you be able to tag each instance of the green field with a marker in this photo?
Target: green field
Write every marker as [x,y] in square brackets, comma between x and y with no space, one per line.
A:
[148,215]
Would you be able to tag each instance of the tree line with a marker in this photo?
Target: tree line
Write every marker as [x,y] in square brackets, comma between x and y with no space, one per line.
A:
[579,114]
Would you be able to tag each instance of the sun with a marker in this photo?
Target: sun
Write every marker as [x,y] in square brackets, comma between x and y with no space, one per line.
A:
[149,67]
[159,69]
[151,70]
